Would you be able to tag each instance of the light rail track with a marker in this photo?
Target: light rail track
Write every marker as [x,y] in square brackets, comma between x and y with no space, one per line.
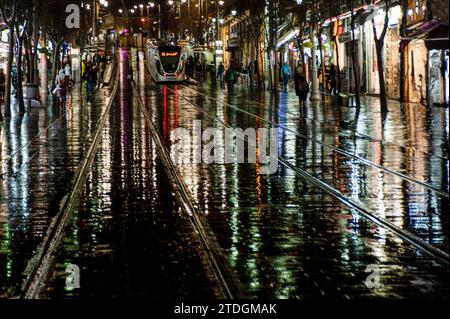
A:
[352,204]
[341,151]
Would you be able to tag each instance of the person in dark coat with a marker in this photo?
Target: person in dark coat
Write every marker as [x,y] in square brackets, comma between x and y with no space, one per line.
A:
[301,85]
[229,78]
[333,89]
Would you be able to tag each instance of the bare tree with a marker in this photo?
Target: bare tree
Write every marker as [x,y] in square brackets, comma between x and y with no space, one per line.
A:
[22,27]
[53,24]
[404,8]
[8,12]
[379,41]
[256,36]
[351,6]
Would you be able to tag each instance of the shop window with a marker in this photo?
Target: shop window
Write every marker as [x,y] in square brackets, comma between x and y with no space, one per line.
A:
[416,11]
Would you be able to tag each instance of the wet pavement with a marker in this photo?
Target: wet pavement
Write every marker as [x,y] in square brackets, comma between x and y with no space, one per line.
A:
[286,239]
[41,151]
[128,235]
[281,236]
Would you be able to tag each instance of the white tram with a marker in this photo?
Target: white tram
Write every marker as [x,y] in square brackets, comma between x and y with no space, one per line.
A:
[165,62]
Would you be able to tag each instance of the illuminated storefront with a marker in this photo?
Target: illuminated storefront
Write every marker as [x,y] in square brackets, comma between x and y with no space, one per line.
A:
[426,56]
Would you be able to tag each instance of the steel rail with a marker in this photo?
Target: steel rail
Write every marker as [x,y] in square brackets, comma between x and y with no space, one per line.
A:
[414,240]
[336,149]
[227,280]
[39,265]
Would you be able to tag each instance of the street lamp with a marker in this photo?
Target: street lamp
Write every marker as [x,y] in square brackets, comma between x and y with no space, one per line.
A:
[152,5]
[217,43]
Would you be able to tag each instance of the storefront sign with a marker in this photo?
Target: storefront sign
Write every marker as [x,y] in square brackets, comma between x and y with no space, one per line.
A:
[219,47]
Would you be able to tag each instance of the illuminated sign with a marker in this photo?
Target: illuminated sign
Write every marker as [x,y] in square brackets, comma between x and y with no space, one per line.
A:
[169,54]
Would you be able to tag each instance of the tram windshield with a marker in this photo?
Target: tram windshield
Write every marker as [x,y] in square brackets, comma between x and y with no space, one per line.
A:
[170,58]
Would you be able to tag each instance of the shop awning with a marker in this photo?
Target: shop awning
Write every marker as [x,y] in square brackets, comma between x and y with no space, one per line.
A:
[362,17]
[422,32]
[437,39]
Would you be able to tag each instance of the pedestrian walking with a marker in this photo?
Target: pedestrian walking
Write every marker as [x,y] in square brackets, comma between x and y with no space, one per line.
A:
[68,74]
[68,70]
[83,69]
[420,85]
[190,65]
[60,86]
[199,71]
[301,86]
[230,77]
[91,79]
[333,89]
[220,72]
[2,84]
[287,74]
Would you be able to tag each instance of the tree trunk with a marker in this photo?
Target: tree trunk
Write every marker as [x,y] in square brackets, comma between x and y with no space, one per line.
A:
[383,98]
[270,80]
[19,77]
[55,63]
[355,65]
[44,66]
[338,66]
[27,57]
[8,72]
[263,71]
[404,6]
[276,69]
[34,57]
[322,65]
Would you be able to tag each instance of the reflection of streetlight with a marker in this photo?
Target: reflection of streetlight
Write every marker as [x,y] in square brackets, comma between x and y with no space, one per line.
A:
[234,12]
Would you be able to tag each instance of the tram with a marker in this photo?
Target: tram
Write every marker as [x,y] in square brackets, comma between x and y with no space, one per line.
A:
[165,62]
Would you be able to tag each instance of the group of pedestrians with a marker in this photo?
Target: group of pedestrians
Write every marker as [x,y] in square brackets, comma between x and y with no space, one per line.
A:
[63,81]
[330,74]
[93,71]
[227,75]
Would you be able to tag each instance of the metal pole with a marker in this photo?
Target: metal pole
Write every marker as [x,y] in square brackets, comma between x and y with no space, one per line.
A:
[159,22]
[94,20]
[217,37]
[217,21]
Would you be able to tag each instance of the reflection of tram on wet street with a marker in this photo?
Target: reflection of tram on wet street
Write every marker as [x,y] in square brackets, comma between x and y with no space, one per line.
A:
[165,62]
